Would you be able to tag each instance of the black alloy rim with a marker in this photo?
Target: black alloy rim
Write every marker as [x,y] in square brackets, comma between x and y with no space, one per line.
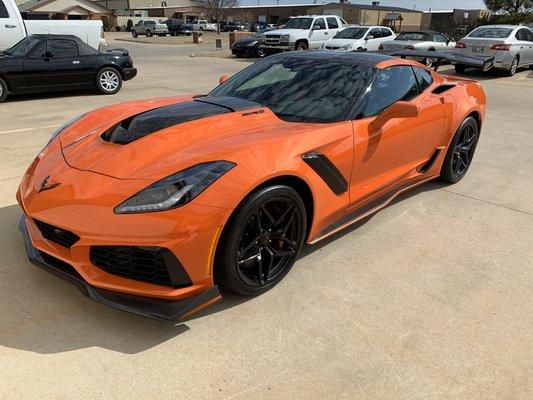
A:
[464,149]
[269,241]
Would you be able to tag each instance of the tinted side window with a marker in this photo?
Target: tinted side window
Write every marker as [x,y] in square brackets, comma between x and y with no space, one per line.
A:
[385,32]
[440,38]
[3,10]
[389,86]
[63,48]
[423,77]
[332,23]
[39,51]
[319,24]
[524,34]
[529,35]
[375,32]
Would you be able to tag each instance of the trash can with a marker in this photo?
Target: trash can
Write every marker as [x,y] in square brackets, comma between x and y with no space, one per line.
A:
[197,37]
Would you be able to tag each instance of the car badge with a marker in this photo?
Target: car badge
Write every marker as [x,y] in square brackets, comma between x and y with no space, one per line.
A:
[47,186]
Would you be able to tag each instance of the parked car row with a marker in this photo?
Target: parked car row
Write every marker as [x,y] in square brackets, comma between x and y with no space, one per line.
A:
[507,47]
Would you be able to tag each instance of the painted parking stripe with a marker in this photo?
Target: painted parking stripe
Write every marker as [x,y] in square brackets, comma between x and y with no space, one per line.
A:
[30,129]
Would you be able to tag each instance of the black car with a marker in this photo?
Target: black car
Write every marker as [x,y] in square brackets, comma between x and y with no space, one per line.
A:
[178,27]
[233,26]
[43,63]
[249,46]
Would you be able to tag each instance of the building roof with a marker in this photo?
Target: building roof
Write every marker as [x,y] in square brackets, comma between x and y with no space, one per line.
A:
[332,4]
[34,5]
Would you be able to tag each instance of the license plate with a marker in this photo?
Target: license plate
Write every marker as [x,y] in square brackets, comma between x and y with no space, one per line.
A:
[478,49]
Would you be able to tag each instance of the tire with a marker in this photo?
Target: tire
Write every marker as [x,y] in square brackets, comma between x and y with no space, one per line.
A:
[3,90]
[428,62]
[148,34]
[173,33]
[460,68]
[260,53]
[514,66]
[301,46]
[108,80]
[460,152]
[201,28]
[256,254]
[134,34]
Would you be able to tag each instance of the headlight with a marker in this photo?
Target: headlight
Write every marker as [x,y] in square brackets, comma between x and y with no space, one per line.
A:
[347,47]
[175,190]
[252,43]
[63,127]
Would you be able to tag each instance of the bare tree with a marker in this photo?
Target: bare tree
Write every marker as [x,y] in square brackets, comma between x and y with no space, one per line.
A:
[216,9]
[509,6]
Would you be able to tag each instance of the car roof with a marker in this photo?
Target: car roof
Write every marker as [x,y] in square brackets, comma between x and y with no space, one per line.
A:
[50,36]
[502,26]
[421,31]
[362,58]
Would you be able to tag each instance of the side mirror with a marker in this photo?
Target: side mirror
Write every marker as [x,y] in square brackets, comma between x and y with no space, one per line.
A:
[48,54]
[223,79]
[400,109]
[369,37]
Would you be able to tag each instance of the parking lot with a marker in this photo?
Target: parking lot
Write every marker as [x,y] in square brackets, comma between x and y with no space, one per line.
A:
[428,299]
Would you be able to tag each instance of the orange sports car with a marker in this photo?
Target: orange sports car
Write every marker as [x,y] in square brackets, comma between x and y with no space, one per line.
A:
[150,205]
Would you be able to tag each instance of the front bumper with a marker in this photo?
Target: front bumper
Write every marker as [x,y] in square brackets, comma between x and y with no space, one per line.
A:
[129,73]
[274,49]
[160,309]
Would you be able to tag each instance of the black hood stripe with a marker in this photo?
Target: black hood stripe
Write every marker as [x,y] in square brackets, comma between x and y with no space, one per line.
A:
[146,123]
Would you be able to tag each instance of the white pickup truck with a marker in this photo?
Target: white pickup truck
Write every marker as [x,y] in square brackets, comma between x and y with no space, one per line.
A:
[13,28]
[303,33]
[203,25]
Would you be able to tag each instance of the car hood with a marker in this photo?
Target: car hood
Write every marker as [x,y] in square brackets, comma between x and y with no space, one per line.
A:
[292,32]
[243,42]
[155,138]
[343,42]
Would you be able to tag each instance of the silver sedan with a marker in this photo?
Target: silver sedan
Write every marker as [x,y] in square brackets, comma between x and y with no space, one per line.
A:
[511,46]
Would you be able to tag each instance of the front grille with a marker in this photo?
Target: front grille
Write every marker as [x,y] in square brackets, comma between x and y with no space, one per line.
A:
[273,39]
[147,264]
[57,235]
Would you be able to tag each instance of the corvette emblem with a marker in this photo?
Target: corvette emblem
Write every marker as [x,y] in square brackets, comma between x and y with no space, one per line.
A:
[47,186]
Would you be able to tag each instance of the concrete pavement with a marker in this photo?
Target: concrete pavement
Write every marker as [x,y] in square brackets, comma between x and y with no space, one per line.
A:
[429,299]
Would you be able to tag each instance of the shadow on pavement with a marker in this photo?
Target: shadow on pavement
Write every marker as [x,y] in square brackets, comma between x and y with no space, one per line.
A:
[42,313]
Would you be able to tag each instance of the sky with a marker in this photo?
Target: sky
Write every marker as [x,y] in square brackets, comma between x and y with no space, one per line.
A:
[423,5]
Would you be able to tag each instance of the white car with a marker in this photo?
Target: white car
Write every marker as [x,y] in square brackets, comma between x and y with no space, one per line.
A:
[511,46]
[360,38]
[303,33]
[149,27]
[13,28]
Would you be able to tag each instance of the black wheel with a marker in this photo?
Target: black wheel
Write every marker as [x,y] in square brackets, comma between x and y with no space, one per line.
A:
[428,62]
[148,34]
[460,68]
[260,53]
[262,240]
[514,66]
[134,34]
[3,90]
[302,46]
[108,81]
[461,151]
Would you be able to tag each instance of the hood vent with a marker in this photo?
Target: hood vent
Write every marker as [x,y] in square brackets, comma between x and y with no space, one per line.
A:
[146,123]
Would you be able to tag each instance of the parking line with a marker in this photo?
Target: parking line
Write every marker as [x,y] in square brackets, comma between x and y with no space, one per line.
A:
[30,129]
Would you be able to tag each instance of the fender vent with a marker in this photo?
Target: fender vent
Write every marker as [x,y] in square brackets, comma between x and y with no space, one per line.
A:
[442,88]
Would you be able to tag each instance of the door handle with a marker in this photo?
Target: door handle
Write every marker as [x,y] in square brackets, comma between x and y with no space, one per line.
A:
[10,26]
[75,62]
[326,33]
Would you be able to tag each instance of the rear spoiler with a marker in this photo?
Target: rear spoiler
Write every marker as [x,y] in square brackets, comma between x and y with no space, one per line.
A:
[439,56]
[123,52]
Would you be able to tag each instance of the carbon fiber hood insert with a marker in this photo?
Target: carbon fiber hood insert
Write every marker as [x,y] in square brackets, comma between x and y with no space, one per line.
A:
[146,123]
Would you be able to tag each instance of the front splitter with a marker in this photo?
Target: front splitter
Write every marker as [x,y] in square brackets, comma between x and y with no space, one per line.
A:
[164,310]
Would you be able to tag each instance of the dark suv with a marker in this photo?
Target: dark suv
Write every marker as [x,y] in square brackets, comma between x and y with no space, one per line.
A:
[178,27]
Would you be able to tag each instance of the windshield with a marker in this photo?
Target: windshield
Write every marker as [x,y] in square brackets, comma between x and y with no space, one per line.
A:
[351,33]
[297,89]
[299,23]
[496,33]
[412,36]
[23,46]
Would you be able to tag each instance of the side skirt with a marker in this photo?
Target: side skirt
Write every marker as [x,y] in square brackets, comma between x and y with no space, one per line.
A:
[368,209]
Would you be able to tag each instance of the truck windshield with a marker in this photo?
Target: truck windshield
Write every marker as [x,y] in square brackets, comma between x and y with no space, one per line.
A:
[495,33]
[299,89]
[351,33]
[24,46]
[299,23]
